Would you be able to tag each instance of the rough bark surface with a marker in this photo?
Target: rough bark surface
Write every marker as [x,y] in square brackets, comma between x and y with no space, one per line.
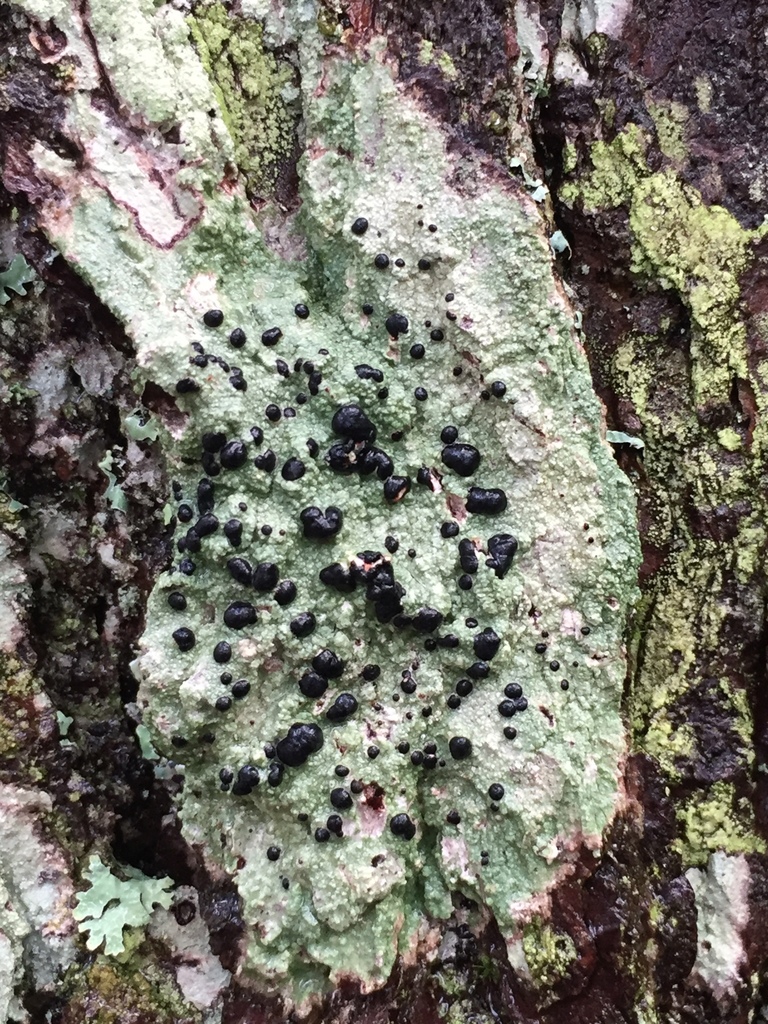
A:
[646,123]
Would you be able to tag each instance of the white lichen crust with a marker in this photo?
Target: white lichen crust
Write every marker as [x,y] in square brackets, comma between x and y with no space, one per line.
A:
[346,906]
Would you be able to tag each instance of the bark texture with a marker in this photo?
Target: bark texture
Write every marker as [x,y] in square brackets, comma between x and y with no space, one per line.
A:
[645,122]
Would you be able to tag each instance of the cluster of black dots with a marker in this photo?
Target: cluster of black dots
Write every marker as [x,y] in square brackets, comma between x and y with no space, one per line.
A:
[371,572]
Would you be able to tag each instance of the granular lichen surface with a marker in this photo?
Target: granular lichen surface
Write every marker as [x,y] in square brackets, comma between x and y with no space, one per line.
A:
[388,649]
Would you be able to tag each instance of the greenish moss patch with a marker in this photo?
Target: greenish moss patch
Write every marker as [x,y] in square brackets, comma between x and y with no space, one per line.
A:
[549,955]
[254,90]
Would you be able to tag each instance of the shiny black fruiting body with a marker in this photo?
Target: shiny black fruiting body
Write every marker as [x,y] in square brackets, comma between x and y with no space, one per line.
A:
[302,740]
[501,551]
[184,637]
[319,525]
[460,748]
[213,318]
[486,501]
[463,459]
[327,664]
[468,556]
[271,337]
[402,826]
[240,614]
[313,685]
[396,324]
[344,706]
[350,421]
[486,644]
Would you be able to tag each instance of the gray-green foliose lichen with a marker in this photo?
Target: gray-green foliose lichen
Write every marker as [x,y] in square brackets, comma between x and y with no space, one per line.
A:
[512,679]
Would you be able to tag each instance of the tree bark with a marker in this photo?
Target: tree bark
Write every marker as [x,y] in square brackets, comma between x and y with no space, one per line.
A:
[637,129]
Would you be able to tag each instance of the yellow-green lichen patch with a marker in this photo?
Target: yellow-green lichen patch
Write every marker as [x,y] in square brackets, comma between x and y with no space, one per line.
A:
[705,510]
[486,654]
[716,820]
[698,250]
[254,90]
[670,119]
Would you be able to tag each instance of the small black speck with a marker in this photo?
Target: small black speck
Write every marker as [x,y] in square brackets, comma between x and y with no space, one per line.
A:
[381,261]
[301,311]
[421,394]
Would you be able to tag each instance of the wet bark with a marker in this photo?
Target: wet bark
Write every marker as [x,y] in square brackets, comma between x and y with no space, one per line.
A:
[698,640]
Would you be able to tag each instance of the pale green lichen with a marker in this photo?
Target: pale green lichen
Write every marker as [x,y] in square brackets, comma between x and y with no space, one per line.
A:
[111,904]
[17,274]
[114,495]
[352,904]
